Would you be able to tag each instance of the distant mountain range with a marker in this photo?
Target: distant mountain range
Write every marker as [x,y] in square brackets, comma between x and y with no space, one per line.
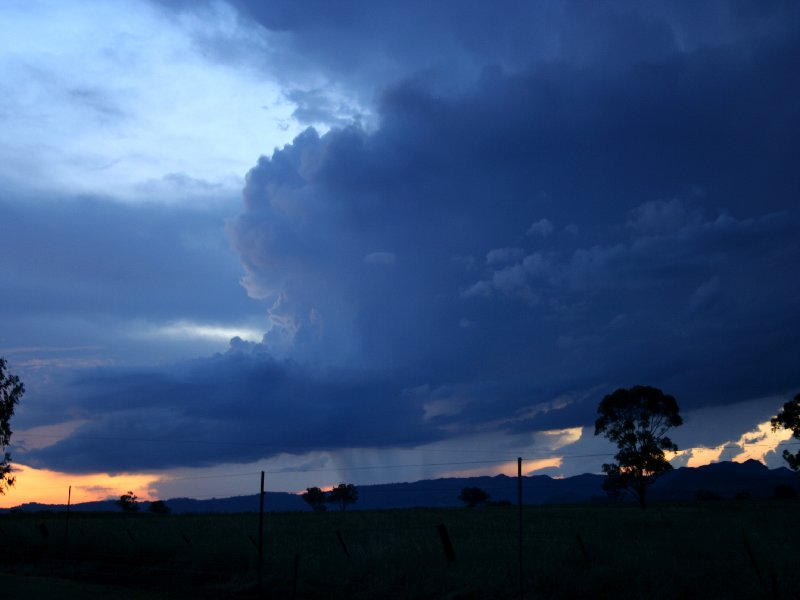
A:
[722,480]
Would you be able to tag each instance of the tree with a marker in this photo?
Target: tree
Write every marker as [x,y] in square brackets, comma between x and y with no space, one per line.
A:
[789,418]
[472,496]
[159,507]
[128,502]
[637,421]
[315,498]
[343,494]
[11,390]
[613,487]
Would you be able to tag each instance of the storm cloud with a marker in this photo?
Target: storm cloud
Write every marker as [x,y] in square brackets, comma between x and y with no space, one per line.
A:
[569,213]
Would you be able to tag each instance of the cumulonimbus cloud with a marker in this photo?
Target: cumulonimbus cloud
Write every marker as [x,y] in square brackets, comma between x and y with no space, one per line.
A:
[670,192]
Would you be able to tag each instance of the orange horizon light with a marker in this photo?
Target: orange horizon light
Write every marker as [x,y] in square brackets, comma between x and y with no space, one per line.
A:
[52,487]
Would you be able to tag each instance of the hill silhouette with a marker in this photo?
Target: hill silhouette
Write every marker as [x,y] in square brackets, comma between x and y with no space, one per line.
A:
[723,480]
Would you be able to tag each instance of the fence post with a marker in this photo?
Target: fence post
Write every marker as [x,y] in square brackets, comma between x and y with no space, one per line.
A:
[519,505]
[260,531]
[583,549]
[294,579]
[447,545]
[66,526]
[751,556]
[341,541]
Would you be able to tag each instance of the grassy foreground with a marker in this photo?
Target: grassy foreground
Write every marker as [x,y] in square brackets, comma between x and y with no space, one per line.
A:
[710,550]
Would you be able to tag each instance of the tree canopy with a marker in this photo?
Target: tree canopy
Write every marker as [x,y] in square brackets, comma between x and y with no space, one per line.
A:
[637,421]
[315,498]
[159,507]
[128,502]
[472,496]
[343,494]
[11,390]
[789,418]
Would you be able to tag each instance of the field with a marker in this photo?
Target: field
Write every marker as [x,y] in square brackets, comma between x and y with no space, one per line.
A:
[694,550]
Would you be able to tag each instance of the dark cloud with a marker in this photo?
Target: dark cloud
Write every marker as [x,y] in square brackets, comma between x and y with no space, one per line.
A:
[87,271]
[238,406]
[614,203]
[366,48]
[680,195]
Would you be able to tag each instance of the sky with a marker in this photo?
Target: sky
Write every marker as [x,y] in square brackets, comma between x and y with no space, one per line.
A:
[385,241]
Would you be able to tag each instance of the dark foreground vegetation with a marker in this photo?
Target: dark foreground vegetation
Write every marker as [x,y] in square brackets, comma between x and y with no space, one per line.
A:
[722,549]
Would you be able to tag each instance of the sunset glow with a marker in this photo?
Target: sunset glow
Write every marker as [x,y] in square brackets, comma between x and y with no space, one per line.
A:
[50,487]
[756,444]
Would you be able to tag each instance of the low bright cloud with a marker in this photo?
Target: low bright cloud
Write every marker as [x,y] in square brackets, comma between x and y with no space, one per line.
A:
[195,331]
[760,443]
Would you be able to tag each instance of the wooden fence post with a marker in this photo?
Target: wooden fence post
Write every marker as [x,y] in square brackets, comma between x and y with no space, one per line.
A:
[583,548]
[752,557]
[341,541]
[519,505]
[261,532]
[447,545]
[294,579]
[66,526]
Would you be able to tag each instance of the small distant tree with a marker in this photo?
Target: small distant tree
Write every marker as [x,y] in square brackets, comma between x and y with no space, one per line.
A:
[343,494]
[11,390]
[159,507]
[128,502]
[637,421]
[315,498]
[472,496]
[789,418]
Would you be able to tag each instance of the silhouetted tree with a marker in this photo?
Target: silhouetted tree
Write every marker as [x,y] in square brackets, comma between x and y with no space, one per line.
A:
[159,507]
[789,418]
[315,498]
[637,421]
[11,390]
[128,502]
[613,487]
[343,494]
[472,496]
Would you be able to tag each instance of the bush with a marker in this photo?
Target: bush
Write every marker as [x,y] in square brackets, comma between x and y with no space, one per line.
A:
[472,496]
[159,507]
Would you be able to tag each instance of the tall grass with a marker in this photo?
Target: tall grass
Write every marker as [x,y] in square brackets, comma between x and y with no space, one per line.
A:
[713,550]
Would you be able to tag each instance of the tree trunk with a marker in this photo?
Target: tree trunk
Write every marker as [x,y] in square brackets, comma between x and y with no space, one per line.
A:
[641,494]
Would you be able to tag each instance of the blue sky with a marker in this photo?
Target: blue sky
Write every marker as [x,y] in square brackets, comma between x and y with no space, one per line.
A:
[307,236]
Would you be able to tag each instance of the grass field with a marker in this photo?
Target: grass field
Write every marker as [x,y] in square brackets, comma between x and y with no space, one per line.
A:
[707,550]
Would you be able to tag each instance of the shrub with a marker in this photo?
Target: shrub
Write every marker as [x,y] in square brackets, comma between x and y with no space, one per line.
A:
[159,507]
[472,496]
